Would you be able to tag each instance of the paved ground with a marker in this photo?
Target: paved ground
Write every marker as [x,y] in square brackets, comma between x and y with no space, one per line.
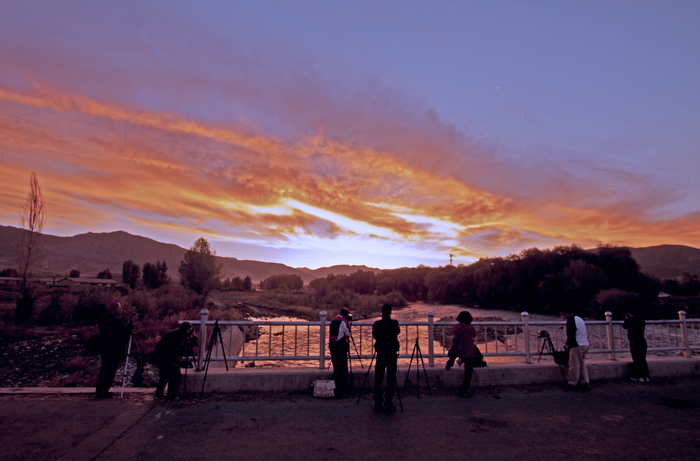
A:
[659,420]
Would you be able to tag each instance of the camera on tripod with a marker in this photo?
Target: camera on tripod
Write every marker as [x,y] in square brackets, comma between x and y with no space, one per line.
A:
[190,339]
[543,334]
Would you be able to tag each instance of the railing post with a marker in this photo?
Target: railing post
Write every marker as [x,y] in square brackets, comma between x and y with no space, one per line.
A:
[322,345]
[684,326]
[526,334]
[611,339]
[431,334]
[202,337]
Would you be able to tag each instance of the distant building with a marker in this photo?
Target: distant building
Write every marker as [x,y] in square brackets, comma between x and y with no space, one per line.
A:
[7,281]
[72,284]
[78,283]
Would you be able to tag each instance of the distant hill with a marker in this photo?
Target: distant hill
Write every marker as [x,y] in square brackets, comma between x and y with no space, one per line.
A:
[667,261]
[94,252]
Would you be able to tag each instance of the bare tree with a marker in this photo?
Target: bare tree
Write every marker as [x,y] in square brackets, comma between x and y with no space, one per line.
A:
[31,219]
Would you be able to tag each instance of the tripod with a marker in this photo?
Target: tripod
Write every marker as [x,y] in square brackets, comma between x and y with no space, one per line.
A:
[132,338]
[352,380]
[416,352]
[548,346]
[396,386]
[356,352]
[215,335]
[187,365]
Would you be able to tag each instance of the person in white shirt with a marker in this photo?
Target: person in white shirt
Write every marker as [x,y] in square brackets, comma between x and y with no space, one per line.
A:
[577,344]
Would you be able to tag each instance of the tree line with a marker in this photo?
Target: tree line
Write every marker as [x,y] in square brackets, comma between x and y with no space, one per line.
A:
[539,281]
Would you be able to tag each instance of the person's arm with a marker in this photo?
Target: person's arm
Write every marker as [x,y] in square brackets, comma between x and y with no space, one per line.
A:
[344,331]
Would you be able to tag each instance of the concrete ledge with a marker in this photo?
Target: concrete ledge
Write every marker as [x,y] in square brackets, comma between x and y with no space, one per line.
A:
[503,374]
[298,379]
[73,390]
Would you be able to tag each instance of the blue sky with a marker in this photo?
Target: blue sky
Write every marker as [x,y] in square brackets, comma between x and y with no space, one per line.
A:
[389,133]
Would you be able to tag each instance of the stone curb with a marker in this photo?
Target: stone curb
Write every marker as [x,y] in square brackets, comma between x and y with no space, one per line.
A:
[295,379]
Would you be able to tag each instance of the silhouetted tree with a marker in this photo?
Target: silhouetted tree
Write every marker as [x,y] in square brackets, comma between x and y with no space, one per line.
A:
[130,273]
[198,270]
[105,274]
[9,272]
[686,285]
[361,282]
[619,266]
[155,275]
[282,282]
[384,283]
[620,301]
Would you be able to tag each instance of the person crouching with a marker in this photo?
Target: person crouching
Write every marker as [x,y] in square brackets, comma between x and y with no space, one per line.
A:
[169,350]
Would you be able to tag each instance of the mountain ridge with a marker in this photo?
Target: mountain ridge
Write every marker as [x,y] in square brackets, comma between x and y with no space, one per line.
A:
[93,252]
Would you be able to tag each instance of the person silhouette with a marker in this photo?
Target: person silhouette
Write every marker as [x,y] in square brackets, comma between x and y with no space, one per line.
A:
[635,324]
[339,346]
[385,333]
[463,334]
[114,336]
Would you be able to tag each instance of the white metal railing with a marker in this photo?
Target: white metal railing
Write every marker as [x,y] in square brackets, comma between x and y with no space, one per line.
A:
[300,342]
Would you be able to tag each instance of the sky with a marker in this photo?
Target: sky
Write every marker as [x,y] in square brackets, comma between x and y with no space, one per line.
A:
[384,133]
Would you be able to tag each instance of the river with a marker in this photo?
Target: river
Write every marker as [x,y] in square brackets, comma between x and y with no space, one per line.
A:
[303,341]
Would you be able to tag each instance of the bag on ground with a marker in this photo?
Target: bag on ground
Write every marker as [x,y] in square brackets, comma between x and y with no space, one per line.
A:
[324,388]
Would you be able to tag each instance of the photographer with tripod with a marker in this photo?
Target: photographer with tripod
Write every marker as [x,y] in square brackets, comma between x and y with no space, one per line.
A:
[172,346]
[339,346]
[385,333]
[114,333]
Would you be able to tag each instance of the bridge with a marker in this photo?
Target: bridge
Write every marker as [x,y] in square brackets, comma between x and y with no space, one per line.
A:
[293,354]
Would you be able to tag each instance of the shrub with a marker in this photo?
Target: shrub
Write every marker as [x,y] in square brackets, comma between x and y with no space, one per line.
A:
[282,282]
[174,299]
[337,299]
[92,303]
[394,298]
[143,303]
[25,308]
[58,310]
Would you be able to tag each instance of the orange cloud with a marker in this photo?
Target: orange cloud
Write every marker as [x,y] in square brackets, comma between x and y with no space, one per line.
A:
[102,164]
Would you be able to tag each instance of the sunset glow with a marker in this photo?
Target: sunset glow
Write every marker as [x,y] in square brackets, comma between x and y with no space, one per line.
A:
[281,135]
